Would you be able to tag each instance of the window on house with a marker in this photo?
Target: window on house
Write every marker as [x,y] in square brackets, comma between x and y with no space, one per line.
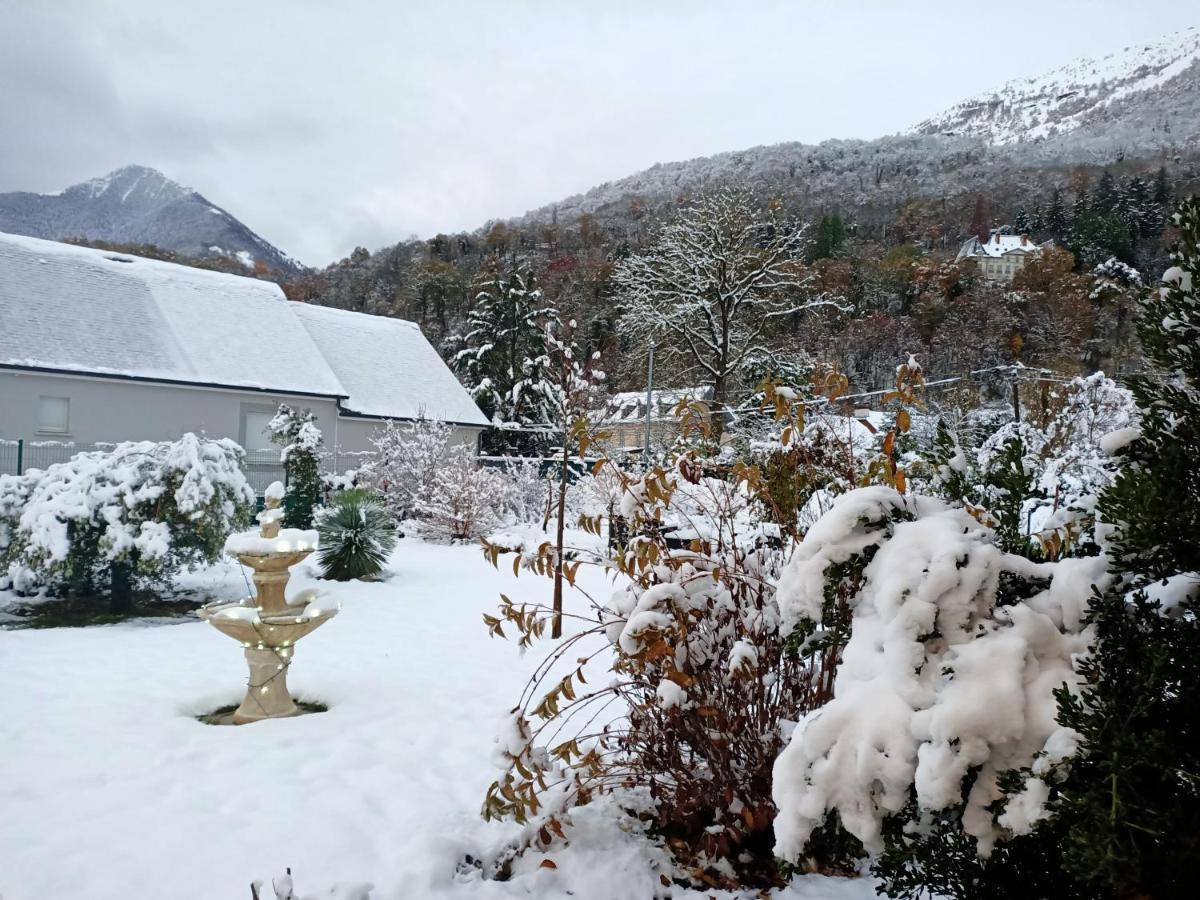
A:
[254,436]
[54,415]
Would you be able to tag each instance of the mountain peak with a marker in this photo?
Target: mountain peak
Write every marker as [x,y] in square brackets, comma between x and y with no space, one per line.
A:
[132,183]
[1066,98]
[136,204]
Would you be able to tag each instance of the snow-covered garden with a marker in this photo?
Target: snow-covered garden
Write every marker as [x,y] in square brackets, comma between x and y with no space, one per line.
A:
[112,788]
[804,653]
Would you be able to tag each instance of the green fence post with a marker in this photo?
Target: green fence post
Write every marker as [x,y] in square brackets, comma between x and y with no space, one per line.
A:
[20,455]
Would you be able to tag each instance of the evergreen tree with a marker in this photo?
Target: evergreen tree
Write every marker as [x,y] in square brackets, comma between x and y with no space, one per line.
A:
[1162,187]
[505,365]
[297,433]
[1055,216]
[1157,498]
[1096,236]
[831,235]
[950,476]
[1131,803]
[1137,211]
[1026,222]
[1104,195]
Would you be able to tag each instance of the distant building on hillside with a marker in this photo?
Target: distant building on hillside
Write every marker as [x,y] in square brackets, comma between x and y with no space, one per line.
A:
[1001,256]
[623,417]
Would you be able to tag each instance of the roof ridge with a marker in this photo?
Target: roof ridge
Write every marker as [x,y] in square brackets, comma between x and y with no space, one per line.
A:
[354,312]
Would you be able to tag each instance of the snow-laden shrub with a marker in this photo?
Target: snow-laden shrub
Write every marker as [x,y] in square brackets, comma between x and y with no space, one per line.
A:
[702,687]
[121,518]
[407,457]
[953,654]
[527,500]
[1037,483]
[464,500]
[356,536]
[297,434]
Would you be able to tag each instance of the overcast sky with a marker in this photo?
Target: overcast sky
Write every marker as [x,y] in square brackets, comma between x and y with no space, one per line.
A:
[324,125]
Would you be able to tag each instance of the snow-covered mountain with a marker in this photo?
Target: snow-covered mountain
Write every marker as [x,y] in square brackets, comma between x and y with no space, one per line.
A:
[139,205]
[1139,104]
[1082,93]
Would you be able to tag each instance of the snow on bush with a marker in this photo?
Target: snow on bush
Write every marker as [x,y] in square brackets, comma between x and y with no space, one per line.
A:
[947,679]
[464,500]
[149,507]
[407,457]
[702,687]
[1038,483]
[299,438]
[527,500]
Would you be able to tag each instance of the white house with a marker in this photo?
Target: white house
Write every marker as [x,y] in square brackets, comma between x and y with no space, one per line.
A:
[1001,256]
[99,347]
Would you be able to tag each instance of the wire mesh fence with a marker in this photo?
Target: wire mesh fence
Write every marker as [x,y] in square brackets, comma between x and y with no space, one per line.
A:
[261,467]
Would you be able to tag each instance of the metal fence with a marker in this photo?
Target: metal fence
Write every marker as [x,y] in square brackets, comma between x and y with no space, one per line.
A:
[261,466]
[17,457]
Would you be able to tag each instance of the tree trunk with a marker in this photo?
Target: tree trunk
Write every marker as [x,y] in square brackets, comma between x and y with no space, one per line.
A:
[716,415]
[556,627]
[121,586]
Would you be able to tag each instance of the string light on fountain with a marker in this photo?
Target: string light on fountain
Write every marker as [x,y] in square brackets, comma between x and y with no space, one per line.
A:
[268,625]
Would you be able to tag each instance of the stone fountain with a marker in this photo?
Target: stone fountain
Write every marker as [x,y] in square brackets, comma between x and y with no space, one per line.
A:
[267,625]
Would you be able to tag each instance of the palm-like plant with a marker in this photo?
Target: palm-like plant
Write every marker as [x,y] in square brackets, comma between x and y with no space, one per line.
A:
[357,535]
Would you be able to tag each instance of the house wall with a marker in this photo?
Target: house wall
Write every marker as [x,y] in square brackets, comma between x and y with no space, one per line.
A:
[110,410]
[354,434]
[115,410]
[1002,268]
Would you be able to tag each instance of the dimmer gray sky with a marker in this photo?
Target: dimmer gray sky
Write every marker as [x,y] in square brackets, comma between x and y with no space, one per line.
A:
[323,125]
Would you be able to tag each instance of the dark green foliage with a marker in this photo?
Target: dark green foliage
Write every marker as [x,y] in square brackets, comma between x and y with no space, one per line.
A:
[1131,803]
[505,364]
[1008,483]
[950,474]
[1162,187]
[1156,498]
[357,536]
[1096,236]
[1054,218]
[1105,194]
[297,433]
[937,859]
[1026,222]
[831,235]
[1130,809]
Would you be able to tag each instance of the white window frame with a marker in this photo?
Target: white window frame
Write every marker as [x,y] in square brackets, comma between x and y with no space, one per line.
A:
[42,427]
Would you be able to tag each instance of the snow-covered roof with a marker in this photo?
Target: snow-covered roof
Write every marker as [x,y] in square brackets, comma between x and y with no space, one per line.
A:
[998,245]
[630,406]
[387,366]
[76,309]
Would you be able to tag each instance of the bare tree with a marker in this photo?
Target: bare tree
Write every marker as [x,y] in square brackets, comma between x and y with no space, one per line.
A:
[710,287]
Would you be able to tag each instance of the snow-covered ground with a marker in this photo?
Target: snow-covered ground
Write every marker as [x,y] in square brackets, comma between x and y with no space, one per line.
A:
[110,788]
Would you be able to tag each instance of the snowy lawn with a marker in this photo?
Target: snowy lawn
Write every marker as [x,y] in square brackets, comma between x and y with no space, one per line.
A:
[110,788]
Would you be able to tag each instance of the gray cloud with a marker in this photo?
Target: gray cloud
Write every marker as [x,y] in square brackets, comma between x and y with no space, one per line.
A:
[328,125]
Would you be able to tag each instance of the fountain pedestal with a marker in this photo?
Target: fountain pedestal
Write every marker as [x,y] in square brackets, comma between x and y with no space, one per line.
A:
[267,625]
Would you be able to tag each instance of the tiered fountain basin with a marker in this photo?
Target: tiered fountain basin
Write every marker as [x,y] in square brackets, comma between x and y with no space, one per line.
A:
[268,625]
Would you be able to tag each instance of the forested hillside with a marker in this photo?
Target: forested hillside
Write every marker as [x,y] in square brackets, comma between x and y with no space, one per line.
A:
[1094,173]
